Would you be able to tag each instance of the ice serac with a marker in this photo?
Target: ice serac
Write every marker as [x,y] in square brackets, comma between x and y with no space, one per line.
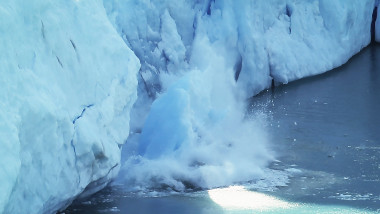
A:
[68,82]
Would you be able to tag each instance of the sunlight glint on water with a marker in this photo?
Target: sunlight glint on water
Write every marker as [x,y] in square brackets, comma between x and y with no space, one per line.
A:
[238,197]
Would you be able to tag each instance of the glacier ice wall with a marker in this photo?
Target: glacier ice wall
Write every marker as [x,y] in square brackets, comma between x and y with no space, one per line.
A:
[68,82]
[283,40]
[201,59]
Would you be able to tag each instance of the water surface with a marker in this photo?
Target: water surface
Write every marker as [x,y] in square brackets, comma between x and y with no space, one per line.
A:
[329,127]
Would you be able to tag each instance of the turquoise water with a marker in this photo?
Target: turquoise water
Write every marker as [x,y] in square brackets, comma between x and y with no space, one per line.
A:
[325,131]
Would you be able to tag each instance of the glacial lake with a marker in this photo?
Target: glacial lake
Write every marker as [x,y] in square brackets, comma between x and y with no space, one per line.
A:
[325,132]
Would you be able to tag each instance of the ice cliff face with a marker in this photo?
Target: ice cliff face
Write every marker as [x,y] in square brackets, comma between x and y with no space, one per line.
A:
[66,88]
[283,40]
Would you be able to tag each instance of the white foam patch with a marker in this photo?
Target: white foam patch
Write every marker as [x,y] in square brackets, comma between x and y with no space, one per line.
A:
[355,197]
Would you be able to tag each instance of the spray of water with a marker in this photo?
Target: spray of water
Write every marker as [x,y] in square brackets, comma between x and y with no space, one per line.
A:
[196,134]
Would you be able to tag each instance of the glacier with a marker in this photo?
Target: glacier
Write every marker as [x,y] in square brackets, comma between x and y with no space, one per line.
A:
[79,75]
[68,82]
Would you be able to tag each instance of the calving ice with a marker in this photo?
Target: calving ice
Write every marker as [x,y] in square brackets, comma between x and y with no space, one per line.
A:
[71,71]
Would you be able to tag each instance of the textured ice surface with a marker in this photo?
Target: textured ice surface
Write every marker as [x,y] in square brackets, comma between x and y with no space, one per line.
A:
[66,88]
[284,40]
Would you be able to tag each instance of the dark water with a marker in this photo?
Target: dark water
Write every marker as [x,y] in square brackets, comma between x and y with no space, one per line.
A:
[329,125]
[326,127]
